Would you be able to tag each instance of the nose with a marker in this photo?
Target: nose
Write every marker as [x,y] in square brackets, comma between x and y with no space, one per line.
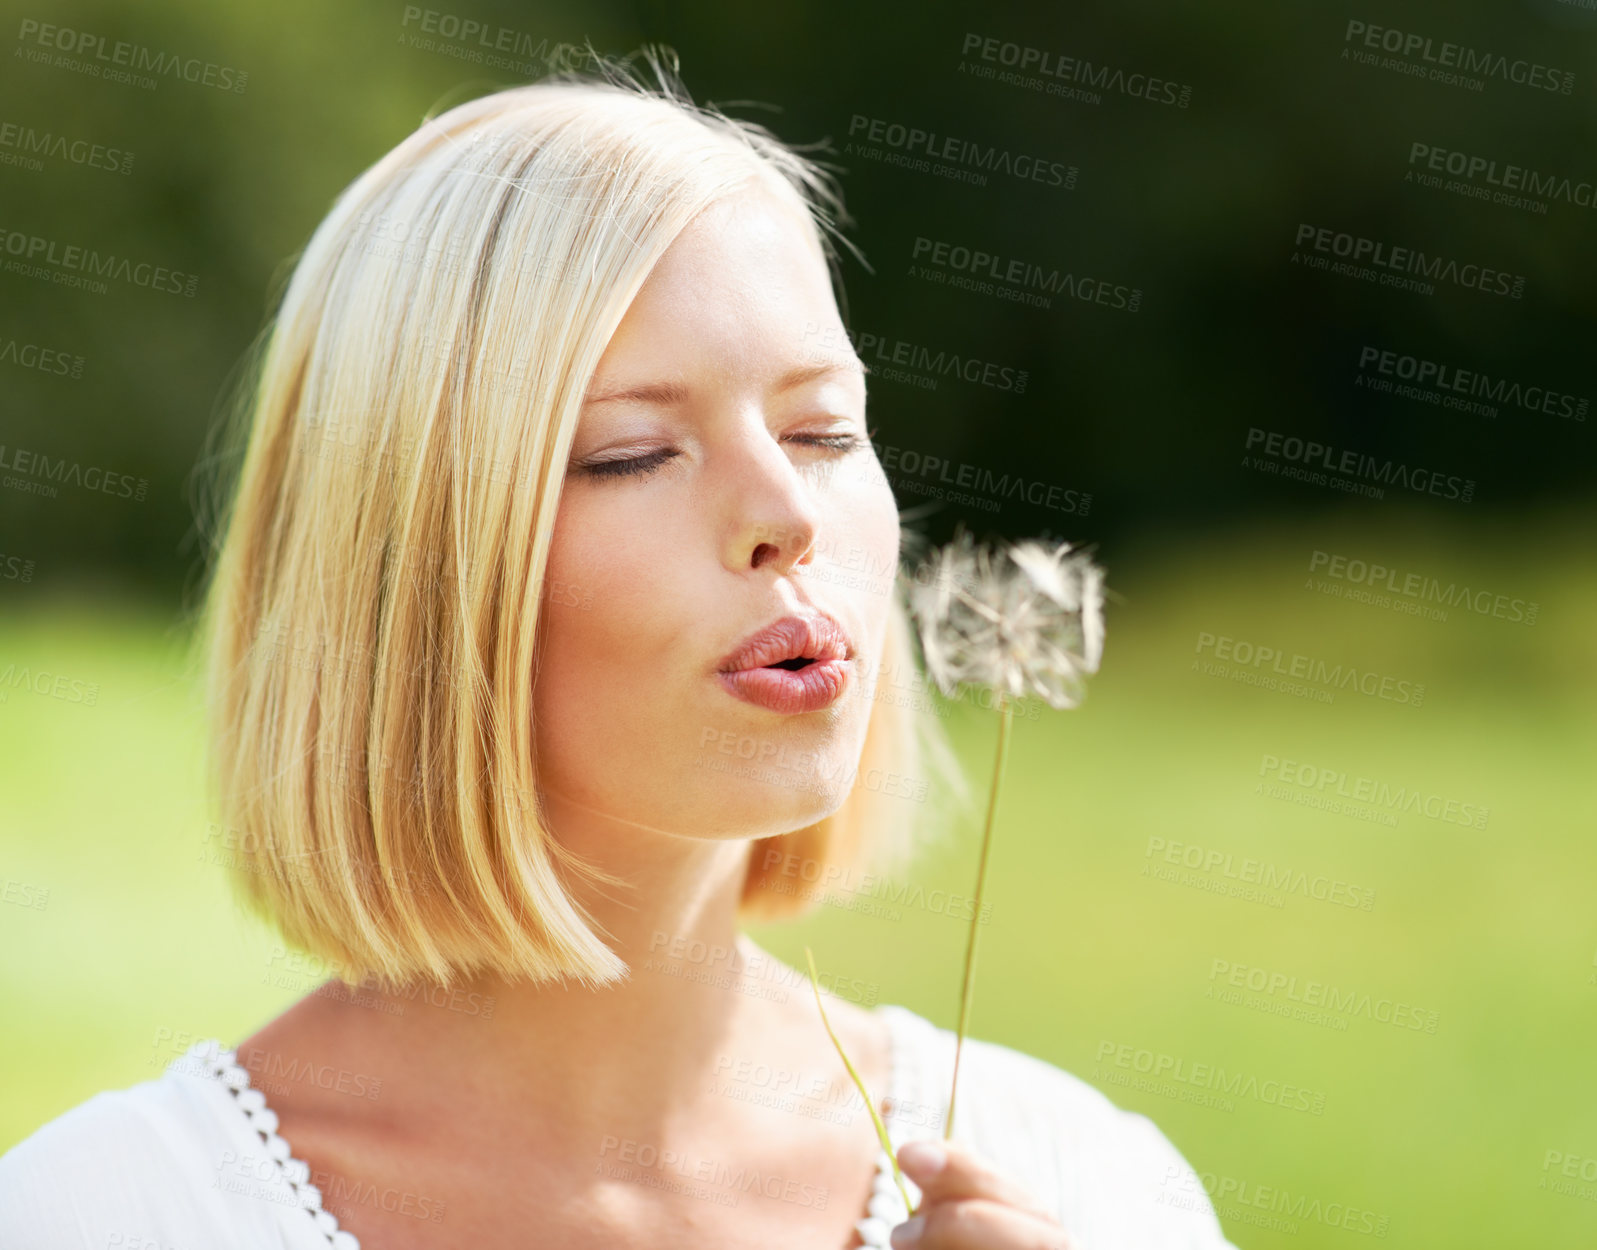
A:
[775,518]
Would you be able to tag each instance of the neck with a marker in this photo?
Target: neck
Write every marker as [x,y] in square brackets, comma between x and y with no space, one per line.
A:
[641,1050]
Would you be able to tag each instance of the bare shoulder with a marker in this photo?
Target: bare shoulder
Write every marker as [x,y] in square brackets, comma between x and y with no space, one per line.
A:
[302,1037]
[323,1076]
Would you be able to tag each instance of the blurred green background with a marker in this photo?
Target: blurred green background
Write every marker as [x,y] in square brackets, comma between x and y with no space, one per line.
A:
[113,926]
[1443,1133]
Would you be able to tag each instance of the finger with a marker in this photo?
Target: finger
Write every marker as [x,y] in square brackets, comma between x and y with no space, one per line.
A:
[978,1224]
[947,1171]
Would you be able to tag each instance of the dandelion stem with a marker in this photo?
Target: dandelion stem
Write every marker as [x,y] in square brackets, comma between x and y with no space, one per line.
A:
[1006,716]
[881,1129]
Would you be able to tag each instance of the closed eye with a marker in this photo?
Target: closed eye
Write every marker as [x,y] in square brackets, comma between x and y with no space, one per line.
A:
[655,459]
[837,442]
[625,468]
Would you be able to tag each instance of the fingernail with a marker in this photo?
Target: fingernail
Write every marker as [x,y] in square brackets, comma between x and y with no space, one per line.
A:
[922,1158]
[908,1233]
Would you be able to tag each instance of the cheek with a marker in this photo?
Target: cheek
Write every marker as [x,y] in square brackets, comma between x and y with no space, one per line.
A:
[585,603]
[869,529]
[611,624]
[874,494]
[577,597]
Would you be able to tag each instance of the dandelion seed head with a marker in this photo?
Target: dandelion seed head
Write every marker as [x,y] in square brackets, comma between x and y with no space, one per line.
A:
[1020,618]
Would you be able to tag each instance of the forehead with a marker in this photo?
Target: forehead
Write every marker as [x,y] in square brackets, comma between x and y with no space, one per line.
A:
[740,284]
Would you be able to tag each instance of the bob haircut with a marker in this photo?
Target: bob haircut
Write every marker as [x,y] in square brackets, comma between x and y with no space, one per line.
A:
[369,627]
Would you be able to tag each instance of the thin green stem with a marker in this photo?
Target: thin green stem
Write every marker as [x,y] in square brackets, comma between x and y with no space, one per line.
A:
[1006,716]
[881,1129]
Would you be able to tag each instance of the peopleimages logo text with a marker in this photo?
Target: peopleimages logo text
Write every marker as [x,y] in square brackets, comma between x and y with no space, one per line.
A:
[1356,249]
[127,57]
[47,255]
[1457,56]
[1026,59]
[1506,175]
[1421,586]
[30,144]
[1324,780]
[44,476]
[1016,272]
[1357,464]
[1242,652]
[1312,993]
[1224,1191]
[988,158]
[1473,383]
[891,350]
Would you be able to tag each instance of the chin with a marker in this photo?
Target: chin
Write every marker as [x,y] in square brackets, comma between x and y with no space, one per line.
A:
[755,808]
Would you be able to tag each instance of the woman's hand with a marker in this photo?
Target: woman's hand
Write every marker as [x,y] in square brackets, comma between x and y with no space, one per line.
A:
[966,1205]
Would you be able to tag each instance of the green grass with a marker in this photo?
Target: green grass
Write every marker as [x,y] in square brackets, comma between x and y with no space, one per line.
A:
[1494,930]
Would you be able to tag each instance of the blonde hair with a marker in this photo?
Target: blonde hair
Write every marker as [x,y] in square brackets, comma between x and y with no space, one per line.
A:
[369,628]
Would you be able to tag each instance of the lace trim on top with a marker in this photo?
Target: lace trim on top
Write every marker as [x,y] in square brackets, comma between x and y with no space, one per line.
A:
[906,1102]
[884,1210]
[295,1173]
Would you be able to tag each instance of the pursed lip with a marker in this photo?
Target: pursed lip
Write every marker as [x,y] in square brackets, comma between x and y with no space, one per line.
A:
[812,636]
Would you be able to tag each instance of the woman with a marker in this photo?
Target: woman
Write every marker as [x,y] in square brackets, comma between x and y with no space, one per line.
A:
[539,664]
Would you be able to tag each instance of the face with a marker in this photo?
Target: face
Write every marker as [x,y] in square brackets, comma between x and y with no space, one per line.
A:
[736,485]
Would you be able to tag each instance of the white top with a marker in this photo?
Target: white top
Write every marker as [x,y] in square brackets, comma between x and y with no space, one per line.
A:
[192,1158]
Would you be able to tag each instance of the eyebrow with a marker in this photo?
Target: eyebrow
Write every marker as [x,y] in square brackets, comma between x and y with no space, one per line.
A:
[669,393]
